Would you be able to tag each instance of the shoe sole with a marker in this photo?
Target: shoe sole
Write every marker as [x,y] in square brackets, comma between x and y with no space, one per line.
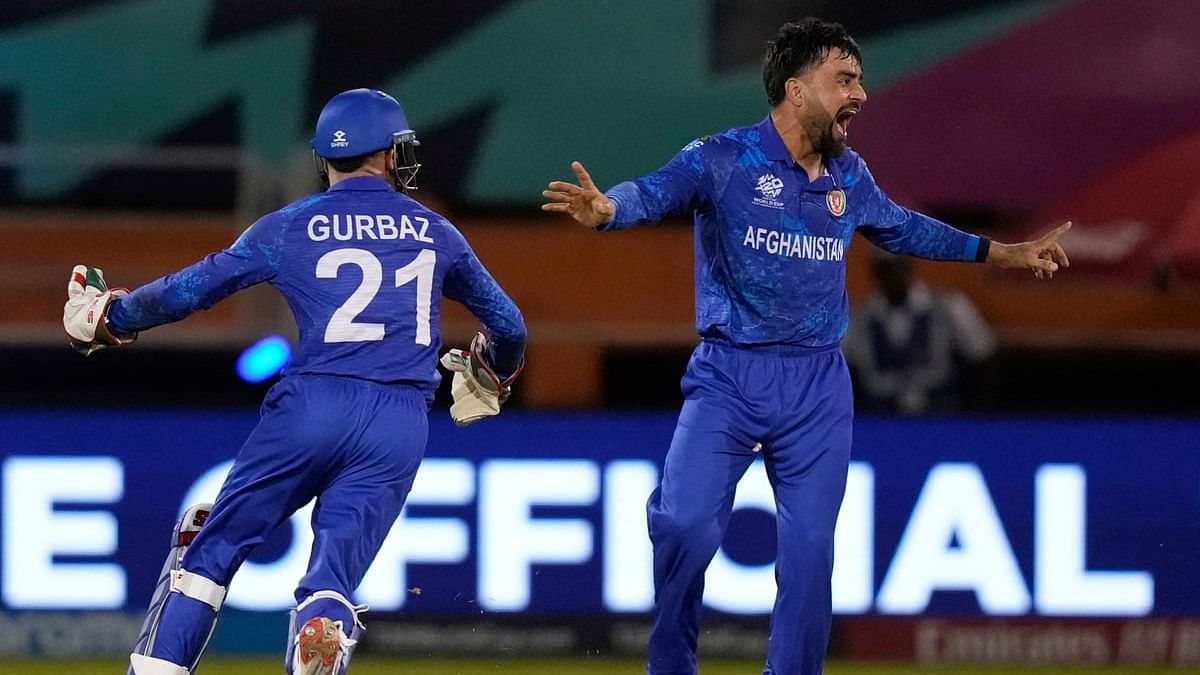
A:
[319,644]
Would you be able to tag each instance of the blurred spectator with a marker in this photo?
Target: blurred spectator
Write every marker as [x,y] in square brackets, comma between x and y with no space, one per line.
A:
[912,348]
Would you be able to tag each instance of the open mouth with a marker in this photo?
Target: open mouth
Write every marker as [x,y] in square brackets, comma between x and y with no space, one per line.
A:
[842,121]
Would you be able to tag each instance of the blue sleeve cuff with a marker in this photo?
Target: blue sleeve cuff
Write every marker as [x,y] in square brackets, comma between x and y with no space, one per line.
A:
[628,209]
[977,248]
[113,319]
[612,223]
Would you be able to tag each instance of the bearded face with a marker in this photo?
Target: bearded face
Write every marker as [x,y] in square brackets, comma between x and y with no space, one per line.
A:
[835,97]
[828,138]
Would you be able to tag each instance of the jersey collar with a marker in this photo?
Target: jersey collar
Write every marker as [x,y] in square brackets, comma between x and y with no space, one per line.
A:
[772,143]
[776,151]
[362,183]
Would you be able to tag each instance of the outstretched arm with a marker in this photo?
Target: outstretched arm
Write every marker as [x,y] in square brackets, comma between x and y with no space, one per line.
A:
[1044,255]
[250,260]
[583,202]
[899,230]
[677,188]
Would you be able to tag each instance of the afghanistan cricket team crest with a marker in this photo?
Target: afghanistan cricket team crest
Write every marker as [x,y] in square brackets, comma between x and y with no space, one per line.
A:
[836,201]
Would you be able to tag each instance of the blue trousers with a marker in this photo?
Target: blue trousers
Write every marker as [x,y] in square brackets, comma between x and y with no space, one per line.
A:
[353,445]
[798,404]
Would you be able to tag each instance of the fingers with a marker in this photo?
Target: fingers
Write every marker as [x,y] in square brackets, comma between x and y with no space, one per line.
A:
[454,360]
[95,279]
[85,283]
[1051,254]
[568,188]
[1043,267]
[560,196]
[1059,255]
[557,196]
[1053,235]
[1048,254]
[585,179]
[583,202]
[78,278]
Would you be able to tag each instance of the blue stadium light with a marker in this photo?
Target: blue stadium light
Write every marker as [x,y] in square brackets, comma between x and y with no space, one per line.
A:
[263,359]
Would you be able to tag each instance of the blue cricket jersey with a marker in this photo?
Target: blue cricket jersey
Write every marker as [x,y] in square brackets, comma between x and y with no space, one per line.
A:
[363,269]
[770,244]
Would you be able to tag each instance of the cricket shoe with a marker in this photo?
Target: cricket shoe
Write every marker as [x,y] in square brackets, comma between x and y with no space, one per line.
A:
[322,647]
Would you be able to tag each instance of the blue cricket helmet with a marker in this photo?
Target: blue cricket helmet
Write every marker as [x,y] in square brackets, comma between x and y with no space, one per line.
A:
[358,122]
[363,121]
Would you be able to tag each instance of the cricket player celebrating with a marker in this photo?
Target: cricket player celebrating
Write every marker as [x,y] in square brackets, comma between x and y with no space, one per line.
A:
[363,268]
[774,206]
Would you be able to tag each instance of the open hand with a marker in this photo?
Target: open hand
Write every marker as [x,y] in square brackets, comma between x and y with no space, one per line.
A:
[583,202]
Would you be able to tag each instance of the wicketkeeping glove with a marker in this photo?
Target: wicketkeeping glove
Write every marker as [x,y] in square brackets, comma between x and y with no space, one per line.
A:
[86,312]
[477,391]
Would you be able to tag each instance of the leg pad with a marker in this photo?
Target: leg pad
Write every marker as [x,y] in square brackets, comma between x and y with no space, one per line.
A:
[174,579]
[148,665]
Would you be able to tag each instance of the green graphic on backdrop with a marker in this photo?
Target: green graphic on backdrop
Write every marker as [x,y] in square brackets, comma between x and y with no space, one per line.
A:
[620,84]
[128,74]
[623,84]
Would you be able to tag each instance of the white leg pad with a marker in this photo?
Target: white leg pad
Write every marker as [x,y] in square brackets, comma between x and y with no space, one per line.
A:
[173,579]
[148,665]
[197,587]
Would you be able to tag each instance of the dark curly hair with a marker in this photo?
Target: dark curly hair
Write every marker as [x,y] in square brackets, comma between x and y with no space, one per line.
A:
[799,46]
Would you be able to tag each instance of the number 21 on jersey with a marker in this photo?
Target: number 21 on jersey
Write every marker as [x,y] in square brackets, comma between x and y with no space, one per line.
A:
[342,326]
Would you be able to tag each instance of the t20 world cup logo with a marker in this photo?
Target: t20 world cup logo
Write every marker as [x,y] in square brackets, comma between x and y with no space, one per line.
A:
[769,185]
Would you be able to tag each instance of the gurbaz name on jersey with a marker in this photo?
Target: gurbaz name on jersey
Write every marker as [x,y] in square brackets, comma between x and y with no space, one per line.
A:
[347,226]
[791,245]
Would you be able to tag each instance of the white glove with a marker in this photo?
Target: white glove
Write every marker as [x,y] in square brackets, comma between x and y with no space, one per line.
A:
[85,316]
[477,391]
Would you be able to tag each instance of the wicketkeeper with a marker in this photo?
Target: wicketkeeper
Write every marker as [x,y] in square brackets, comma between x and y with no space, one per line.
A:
[363,268]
